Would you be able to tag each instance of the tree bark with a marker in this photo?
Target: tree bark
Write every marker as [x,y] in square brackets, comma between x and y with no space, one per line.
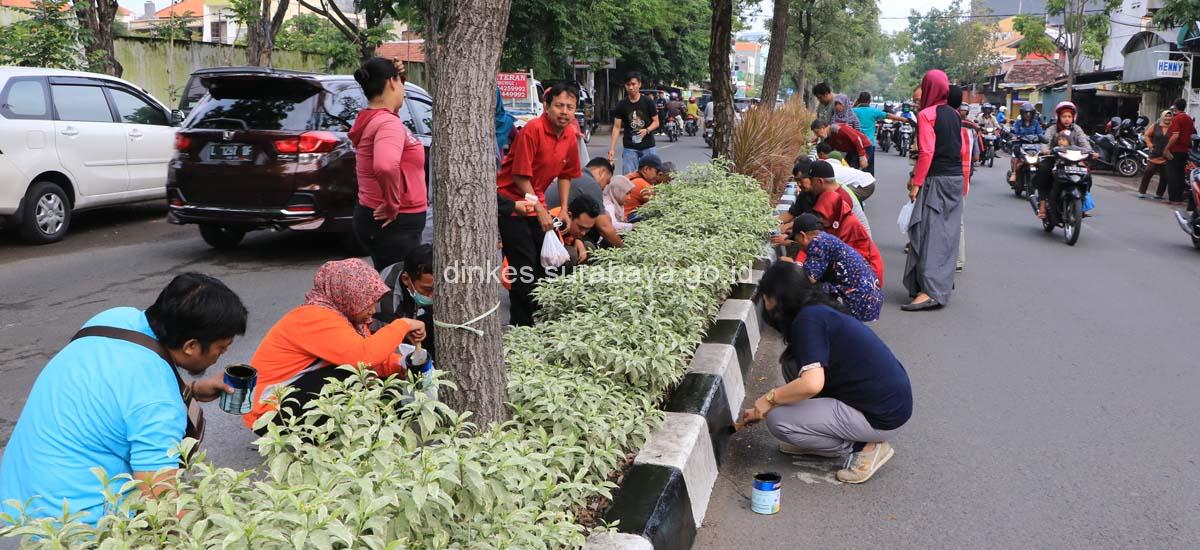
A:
[806,30]
[96,18]
[720,44]
[260,36]
[774,70]
[465,230]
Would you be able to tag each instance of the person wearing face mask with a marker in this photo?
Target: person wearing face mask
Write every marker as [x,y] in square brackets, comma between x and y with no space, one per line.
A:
[411,296]
[390,165]
[305,347]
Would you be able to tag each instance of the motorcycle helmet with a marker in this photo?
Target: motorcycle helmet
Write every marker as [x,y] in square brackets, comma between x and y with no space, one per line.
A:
[907,105]
[1003,109]
[1065,105]
[1027,107]
[987,107]
[1115,121]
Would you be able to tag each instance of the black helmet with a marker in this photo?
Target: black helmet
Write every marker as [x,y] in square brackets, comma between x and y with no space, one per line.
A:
[1027,107]
[987,107]
[1116,121]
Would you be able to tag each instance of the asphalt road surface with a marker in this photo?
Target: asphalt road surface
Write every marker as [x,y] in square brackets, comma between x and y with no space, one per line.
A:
[1054,398]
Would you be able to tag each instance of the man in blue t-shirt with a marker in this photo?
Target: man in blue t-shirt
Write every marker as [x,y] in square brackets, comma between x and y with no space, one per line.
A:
[868,117]
[844,391]
[110,403]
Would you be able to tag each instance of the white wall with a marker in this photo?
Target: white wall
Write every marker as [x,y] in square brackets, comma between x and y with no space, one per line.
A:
[1125,22]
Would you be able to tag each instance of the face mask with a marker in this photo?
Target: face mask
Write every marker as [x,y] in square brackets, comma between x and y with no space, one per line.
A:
[420,299]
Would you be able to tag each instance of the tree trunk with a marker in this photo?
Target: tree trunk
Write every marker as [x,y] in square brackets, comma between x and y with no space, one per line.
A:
[805,51]
[774,70]
[260,36]
[722,87]
[96,18]
[464,175]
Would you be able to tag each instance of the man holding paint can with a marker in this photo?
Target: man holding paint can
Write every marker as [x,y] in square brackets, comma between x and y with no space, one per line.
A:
[112,399]
[845,392]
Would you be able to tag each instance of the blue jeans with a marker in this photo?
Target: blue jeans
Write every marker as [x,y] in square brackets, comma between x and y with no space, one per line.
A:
[870,160]
[631,157]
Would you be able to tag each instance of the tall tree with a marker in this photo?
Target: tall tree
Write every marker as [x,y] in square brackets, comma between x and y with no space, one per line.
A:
[262,20]
[315,34]
[720,46]
[949,40]
[47,37]
[774,69]
[96,21]
[365,38]
[468,36]
[1084,30]
[834,42]
[1177,13]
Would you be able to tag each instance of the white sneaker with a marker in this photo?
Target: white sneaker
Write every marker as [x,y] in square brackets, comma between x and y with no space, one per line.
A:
[863,465]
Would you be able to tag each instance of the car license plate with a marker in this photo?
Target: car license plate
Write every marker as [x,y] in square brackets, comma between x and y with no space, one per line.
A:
[231,151]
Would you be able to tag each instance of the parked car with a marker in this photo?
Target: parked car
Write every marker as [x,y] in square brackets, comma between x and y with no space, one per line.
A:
[72,141]
[269,150]
[194,90]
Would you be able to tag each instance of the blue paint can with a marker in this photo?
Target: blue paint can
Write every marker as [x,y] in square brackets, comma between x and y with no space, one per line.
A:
[764,497]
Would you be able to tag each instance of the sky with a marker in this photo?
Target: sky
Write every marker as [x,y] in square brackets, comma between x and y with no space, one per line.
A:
[893,13]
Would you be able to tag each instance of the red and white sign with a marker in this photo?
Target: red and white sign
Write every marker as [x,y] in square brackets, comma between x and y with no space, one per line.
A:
[513,85]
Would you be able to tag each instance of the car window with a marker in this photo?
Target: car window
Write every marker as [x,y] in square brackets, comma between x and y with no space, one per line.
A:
[135,110]
[255,105]
[81,103]
[26,99]
[192,95]
[420,115]
[341,107]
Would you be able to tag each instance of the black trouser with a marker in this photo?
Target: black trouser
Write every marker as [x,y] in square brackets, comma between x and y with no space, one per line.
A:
[1151,169]
[522,241]
[306,388]
[852,159]
[1046,186]
[1176,179]
[387,245]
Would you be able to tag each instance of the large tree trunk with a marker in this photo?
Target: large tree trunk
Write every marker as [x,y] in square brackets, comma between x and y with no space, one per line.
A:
[96,18]
[722,87]
[805,21]
[464,175]
[260,36]
[774,71]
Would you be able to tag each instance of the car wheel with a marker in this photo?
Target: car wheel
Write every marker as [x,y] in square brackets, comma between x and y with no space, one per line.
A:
[221,237]
[47,213]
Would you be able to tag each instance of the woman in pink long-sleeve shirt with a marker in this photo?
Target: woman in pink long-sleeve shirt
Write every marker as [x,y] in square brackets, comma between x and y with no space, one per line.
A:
[392,198]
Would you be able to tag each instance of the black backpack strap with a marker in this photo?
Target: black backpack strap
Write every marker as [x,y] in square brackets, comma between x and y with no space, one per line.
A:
[393,282]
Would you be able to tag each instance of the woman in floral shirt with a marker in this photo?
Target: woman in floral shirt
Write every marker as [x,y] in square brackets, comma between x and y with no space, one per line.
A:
[842,270]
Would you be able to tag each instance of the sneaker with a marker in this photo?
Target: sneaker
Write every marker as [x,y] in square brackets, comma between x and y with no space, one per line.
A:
[789,449]
[863,465]
[1159,197]
[1142,195]
[959,268]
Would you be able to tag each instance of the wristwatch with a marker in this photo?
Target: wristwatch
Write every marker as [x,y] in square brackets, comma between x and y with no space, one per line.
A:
[771,398]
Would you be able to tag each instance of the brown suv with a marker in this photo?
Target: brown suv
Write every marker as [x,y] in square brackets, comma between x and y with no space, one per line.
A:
[268,149]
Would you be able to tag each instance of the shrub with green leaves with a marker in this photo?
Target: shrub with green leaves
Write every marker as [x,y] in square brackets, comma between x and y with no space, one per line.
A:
[374,463]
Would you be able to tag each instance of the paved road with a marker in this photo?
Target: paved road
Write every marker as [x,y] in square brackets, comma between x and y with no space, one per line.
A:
[1055,401]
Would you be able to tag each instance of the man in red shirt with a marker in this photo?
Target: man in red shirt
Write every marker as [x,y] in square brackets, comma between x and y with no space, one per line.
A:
[836,210]
[852,143]
[1178,145]
[545,150]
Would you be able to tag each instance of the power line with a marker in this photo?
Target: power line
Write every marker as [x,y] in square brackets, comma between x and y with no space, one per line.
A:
[989,16]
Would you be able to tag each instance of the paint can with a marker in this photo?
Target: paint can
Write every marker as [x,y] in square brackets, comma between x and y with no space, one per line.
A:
[764,497]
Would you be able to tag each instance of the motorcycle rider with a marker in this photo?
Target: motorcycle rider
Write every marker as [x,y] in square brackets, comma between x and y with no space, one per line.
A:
[675,111]
[1002,115]
[906,111]
[1027,124]
[1064,115]
[987,120]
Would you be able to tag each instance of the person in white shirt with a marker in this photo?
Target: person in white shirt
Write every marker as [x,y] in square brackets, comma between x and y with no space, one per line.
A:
[860,182]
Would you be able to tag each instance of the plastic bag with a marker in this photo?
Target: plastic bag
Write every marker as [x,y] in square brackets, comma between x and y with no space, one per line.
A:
[905,216]
[1088,203]
[554,254]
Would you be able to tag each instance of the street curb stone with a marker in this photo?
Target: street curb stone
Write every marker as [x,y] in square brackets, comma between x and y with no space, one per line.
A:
[704,395]
[681,442]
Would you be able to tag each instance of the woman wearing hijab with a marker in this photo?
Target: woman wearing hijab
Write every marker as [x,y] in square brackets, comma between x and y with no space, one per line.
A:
[614,201]
[938,184]
[330,329]
[843,112]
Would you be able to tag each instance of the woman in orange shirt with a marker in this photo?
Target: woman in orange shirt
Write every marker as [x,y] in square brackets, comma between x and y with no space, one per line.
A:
[330,329]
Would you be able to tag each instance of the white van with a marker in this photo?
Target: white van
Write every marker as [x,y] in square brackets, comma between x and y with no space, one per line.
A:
[72,141]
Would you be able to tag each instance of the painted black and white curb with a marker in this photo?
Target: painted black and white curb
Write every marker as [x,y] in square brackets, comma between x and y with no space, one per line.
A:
[663,497]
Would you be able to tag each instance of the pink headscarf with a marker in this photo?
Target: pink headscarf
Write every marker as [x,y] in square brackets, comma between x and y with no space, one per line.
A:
[348,287]
[935,89]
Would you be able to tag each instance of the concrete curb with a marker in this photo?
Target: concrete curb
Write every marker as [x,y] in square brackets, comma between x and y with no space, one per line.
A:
[663,498]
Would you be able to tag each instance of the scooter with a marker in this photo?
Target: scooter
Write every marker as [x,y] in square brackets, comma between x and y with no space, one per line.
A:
[906,135]
[1123,156]
[884,135]
[691,126]
[672,129]
[1072,179]
[708,135]
[989,147]
[1030,150]
[1190,223]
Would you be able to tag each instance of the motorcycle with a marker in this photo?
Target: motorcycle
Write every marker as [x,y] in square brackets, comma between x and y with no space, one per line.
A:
[906,137]
[884,135]
[1190,223]
[691,126]
[672,129]
[708,135]
[1123,156]
[989,147]
[1030,149]
[1072,178]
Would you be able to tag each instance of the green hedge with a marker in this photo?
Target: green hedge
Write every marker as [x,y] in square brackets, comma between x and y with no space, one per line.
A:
[584,385]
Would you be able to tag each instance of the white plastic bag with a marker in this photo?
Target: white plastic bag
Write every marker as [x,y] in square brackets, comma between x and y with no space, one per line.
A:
[905,216]
[554,254]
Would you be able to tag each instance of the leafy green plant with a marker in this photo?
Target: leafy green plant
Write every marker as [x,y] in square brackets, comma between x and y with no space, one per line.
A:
[374,463]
